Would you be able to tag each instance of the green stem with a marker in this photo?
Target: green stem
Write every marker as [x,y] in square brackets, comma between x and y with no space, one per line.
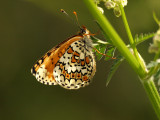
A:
[133,45]
[127,28]
[153,95]
[117,41]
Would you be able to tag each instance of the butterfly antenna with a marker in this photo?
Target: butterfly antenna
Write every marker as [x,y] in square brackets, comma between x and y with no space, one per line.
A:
[75,13]
[77,23]
[64,12]
[104,54]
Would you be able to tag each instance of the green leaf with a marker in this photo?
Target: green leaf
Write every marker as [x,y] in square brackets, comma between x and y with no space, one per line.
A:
[98,41]
[110,52]
[113,68]
[101,48]
[142,37]
[153,63]
[157,80]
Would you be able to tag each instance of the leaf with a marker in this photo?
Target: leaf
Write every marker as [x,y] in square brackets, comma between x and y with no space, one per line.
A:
[110,52]
[101,48]
[157,80]
[97,40]
[113,68]
[142,37]
[153,63]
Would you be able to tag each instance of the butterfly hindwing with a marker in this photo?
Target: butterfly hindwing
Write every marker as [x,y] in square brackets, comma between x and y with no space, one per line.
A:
[76,67]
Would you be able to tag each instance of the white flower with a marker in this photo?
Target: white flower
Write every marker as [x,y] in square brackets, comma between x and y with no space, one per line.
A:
[155,47]
[117,11]
[109,4]
[100,9]
[123,2]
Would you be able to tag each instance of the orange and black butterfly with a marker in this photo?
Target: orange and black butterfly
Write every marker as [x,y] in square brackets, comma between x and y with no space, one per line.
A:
[71,64]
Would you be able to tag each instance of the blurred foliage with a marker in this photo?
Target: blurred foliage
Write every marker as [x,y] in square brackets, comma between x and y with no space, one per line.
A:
[29,28]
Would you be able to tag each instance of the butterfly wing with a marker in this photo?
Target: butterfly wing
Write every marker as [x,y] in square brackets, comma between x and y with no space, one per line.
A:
[76,67]
[43,68]
[70,64]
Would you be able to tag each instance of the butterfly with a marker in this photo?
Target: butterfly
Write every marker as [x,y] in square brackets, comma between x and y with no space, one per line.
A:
[71,64]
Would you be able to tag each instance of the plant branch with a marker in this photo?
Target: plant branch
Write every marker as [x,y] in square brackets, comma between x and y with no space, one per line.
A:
[132,42]
[117,41]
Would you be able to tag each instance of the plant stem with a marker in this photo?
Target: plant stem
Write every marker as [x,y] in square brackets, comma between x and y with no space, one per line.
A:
[132,42]
[153,95]
[117,41]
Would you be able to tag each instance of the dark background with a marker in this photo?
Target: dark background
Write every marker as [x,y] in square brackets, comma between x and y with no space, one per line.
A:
[30,28]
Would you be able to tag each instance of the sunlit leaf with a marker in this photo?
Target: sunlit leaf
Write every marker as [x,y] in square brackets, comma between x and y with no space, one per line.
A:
[98,41]
[142,37]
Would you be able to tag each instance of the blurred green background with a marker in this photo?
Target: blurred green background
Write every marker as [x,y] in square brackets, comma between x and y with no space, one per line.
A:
[29,28]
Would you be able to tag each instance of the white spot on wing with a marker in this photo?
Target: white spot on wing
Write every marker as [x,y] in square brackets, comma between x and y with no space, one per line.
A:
[41,76]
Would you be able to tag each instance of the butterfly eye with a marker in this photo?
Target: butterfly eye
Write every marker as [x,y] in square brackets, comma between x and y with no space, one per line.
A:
[83,31]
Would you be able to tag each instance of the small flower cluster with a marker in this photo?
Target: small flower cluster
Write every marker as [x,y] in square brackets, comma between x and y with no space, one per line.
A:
[112,4]
[155,47]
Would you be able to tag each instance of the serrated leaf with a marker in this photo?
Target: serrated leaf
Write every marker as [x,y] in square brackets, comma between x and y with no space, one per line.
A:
[142,37]
[113,68]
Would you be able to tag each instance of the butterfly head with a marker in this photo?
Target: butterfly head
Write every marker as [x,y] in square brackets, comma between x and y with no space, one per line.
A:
[84,31]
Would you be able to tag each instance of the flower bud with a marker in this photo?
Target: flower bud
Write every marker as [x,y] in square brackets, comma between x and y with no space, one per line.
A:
[117,11]
[156,38]
[109,4]
[123,2]
[100,9]
[153,48]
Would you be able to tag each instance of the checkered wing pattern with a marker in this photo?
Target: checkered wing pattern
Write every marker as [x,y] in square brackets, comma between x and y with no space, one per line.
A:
[76,67]
[70,64]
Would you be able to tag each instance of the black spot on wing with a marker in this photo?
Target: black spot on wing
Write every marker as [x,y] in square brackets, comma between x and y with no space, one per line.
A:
[48,54]
[33,70]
